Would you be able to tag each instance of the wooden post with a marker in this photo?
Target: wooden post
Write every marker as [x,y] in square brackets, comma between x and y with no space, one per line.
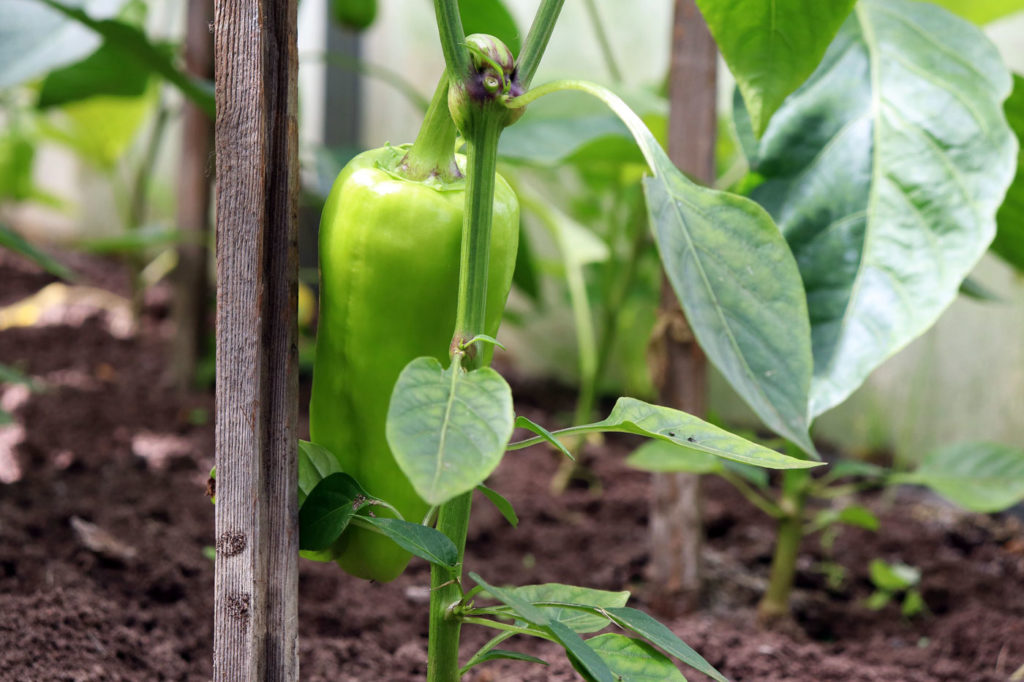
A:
[256,584]
[680,370]
[194,175]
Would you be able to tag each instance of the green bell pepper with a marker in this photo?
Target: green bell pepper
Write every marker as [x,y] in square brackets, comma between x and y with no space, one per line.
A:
[389,272]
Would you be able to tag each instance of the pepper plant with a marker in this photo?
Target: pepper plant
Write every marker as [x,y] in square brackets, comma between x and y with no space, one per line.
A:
[885,171]
[413,455]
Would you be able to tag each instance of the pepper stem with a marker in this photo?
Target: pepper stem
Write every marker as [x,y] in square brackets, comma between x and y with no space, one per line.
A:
[432,155]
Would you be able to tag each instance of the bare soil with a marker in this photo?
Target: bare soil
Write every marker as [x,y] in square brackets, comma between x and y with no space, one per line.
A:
[105,441]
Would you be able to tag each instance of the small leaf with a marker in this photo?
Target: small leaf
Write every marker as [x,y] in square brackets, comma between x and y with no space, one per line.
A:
[860,517]
[980,477]
[854,467]
[893,577]
[448,428]
[913,604]
[9,239]
[589,661]
[503,505]
[580,621]
[633,660]
[878,600]
[315,464]
[426,543]
[530,425]
[328,509]
[972,288]
[499,654]
[659,635]
[654,421]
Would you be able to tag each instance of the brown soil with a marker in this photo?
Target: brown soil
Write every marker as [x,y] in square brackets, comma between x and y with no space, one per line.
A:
[106,441]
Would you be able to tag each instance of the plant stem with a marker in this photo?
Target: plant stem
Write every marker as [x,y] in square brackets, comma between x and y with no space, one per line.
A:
[537,40]
[602,39]
[775,602]
[453,38]
[445,628]
[433,152]
[481,166]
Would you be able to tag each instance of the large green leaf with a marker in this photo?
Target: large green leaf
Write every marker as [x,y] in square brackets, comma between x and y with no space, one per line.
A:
[1009,241]
[104,72]
[735,278]
[448,428]
[981,477]
[771,47]
[490,17]
[884,172]
[35,38]
[982,11]
[634,660]
[134,45]
[683,430]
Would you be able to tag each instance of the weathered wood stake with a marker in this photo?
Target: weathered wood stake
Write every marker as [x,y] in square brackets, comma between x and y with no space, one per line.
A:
[256,585]
[681,368]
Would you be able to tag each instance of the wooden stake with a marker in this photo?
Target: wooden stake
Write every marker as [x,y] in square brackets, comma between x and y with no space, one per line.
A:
[680,368]
[256,585]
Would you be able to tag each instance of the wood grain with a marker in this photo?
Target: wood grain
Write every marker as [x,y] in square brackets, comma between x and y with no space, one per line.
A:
[680,371]
[256,584]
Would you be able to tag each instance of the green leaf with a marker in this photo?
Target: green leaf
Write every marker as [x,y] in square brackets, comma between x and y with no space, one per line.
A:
[663,638]
[884,171]
[548,437]
[981,477]
[855,467]
[894,577]
[35,38]
[328,509]
[663,456]
[525,275]
[654,421]
[972,288]
[505,654]
[426,543]
[9,239]
[982,11]
[853,515]
[772,47]
[590,663]
[1009,241]
[735,278]
[315,464]
[490,17]
[133,241]
[104,72]
[913,604]
[134,45]
[448,428]
[878,600]
[633,660]
[499,501]
[579,621]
